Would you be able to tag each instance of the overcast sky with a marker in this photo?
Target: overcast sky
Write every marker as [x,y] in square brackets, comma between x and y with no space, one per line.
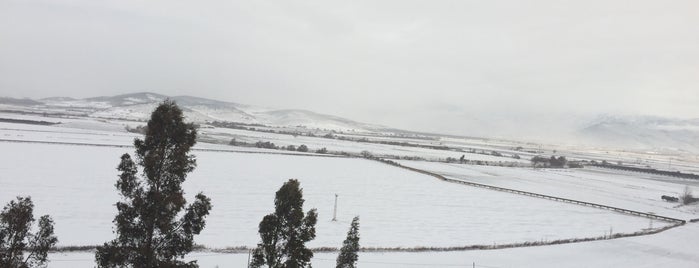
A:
[427,65]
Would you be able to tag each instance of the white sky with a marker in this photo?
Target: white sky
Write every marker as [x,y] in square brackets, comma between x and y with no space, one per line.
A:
[423,65]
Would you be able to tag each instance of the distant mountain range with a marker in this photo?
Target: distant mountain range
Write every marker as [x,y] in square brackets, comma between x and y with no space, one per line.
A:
[649,132]
[138,106]
[633,132]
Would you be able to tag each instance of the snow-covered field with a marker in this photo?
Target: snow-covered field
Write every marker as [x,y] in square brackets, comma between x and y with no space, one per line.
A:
[673,248]
[113,132]
[225,134]
[397,207]
[630,190]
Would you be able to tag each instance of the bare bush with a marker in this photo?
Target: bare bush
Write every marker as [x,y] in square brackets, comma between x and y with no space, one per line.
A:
[687,197]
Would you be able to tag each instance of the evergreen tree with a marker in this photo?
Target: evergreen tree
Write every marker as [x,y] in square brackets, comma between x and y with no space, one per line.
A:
[16,219]
[350,247]
[285,232]
[151,231]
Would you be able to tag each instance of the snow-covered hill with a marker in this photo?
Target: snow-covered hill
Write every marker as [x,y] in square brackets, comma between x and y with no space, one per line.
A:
[643,132]
[138,106]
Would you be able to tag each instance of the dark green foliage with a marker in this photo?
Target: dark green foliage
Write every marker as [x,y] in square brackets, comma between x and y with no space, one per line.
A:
[350,247]
[302,148]
[322,151]
[575,164]
[266,145]
[561,161]
[151,231]
[285,232]
[16,238]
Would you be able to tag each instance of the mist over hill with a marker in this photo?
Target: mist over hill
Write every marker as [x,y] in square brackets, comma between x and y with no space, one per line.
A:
[137,106]
[649,132]
[616,131]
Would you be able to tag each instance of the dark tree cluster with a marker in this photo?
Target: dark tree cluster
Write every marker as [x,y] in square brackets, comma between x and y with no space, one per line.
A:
[553,161]
[16,237]
[270,145]
[650,170]
[302,148]
[266,145]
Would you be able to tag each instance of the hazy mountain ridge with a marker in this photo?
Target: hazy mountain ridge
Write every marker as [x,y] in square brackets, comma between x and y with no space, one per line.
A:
[13,101]
[615,131]
[643,132]
[137,106]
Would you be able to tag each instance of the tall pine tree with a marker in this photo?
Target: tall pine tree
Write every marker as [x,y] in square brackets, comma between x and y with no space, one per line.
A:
[348,253]
[285,232]
[151,230]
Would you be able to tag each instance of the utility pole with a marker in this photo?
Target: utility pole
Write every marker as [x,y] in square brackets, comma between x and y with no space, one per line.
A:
[335,210]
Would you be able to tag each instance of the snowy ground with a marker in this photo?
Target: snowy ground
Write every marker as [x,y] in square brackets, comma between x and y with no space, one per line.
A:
[101,131]
[75,184]
[225,134]
[674,248]
[629,190]
[115,128]
[397,207]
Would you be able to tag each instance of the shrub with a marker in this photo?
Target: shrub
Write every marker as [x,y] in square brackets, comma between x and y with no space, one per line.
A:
[687,197]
